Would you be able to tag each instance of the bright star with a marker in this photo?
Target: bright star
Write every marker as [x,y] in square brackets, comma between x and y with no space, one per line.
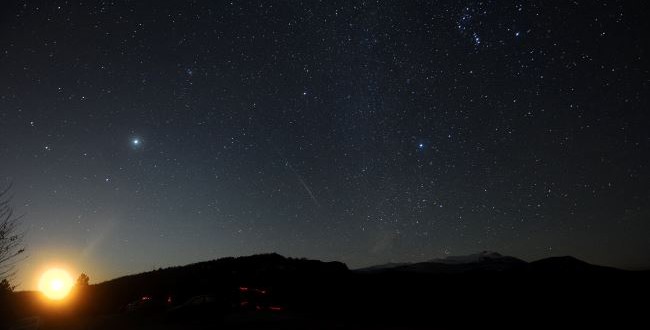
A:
[136,142]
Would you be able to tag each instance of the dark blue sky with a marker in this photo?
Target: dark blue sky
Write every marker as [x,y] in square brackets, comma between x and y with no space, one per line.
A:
[359,131]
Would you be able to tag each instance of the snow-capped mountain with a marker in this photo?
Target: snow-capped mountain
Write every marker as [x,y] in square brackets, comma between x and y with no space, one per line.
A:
[482,261]
[472,258]
[488,261]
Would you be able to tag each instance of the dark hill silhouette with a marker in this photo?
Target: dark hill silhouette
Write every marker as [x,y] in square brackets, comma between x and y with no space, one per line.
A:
[457,292]
[483,284]
[222,277]
[567,264]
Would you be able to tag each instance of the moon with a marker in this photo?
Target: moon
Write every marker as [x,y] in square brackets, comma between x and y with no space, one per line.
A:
[55,283]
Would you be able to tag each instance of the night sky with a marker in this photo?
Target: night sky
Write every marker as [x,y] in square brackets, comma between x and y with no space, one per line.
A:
[146,134]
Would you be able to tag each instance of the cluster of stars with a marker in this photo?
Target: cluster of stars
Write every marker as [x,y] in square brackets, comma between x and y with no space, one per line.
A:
[338,129]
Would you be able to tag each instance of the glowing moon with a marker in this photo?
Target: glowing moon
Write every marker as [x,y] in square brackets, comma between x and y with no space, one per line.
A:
[55,283]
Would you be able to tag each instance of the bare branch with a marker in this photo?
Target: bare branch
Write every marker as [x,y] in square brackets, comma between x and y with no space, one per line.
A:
[11,240]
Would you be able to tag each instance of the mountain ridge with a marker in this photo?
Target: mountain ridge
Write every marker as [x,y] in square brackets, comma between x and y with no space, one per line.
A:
[489,261]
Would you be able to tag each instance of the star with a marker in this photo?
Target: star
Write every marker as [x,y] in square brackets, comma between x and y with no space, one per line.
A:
[401,134]
[476,38]
[136,142]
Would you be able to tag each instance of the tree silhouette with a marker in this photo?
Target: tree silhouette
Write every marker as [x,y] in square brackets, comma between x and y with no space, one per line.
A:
[11,241]
[82,280]
[5,287]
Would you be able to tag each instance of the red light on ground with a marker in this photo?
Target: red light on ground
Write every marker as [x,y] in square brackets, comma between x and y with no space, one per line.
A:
[276,308]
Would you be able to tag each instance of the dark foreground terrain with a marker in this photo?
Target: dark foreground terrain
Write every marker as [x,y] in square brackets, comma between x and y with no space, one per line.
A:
[273,292]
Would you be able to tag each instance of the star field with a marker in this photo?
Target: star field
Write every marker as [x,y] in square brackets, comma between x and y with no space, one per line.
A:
[140,134]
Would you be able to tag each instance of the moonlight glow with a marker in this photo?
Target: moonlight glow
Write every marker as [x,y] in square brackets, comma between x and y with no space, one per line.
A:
[55,283]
